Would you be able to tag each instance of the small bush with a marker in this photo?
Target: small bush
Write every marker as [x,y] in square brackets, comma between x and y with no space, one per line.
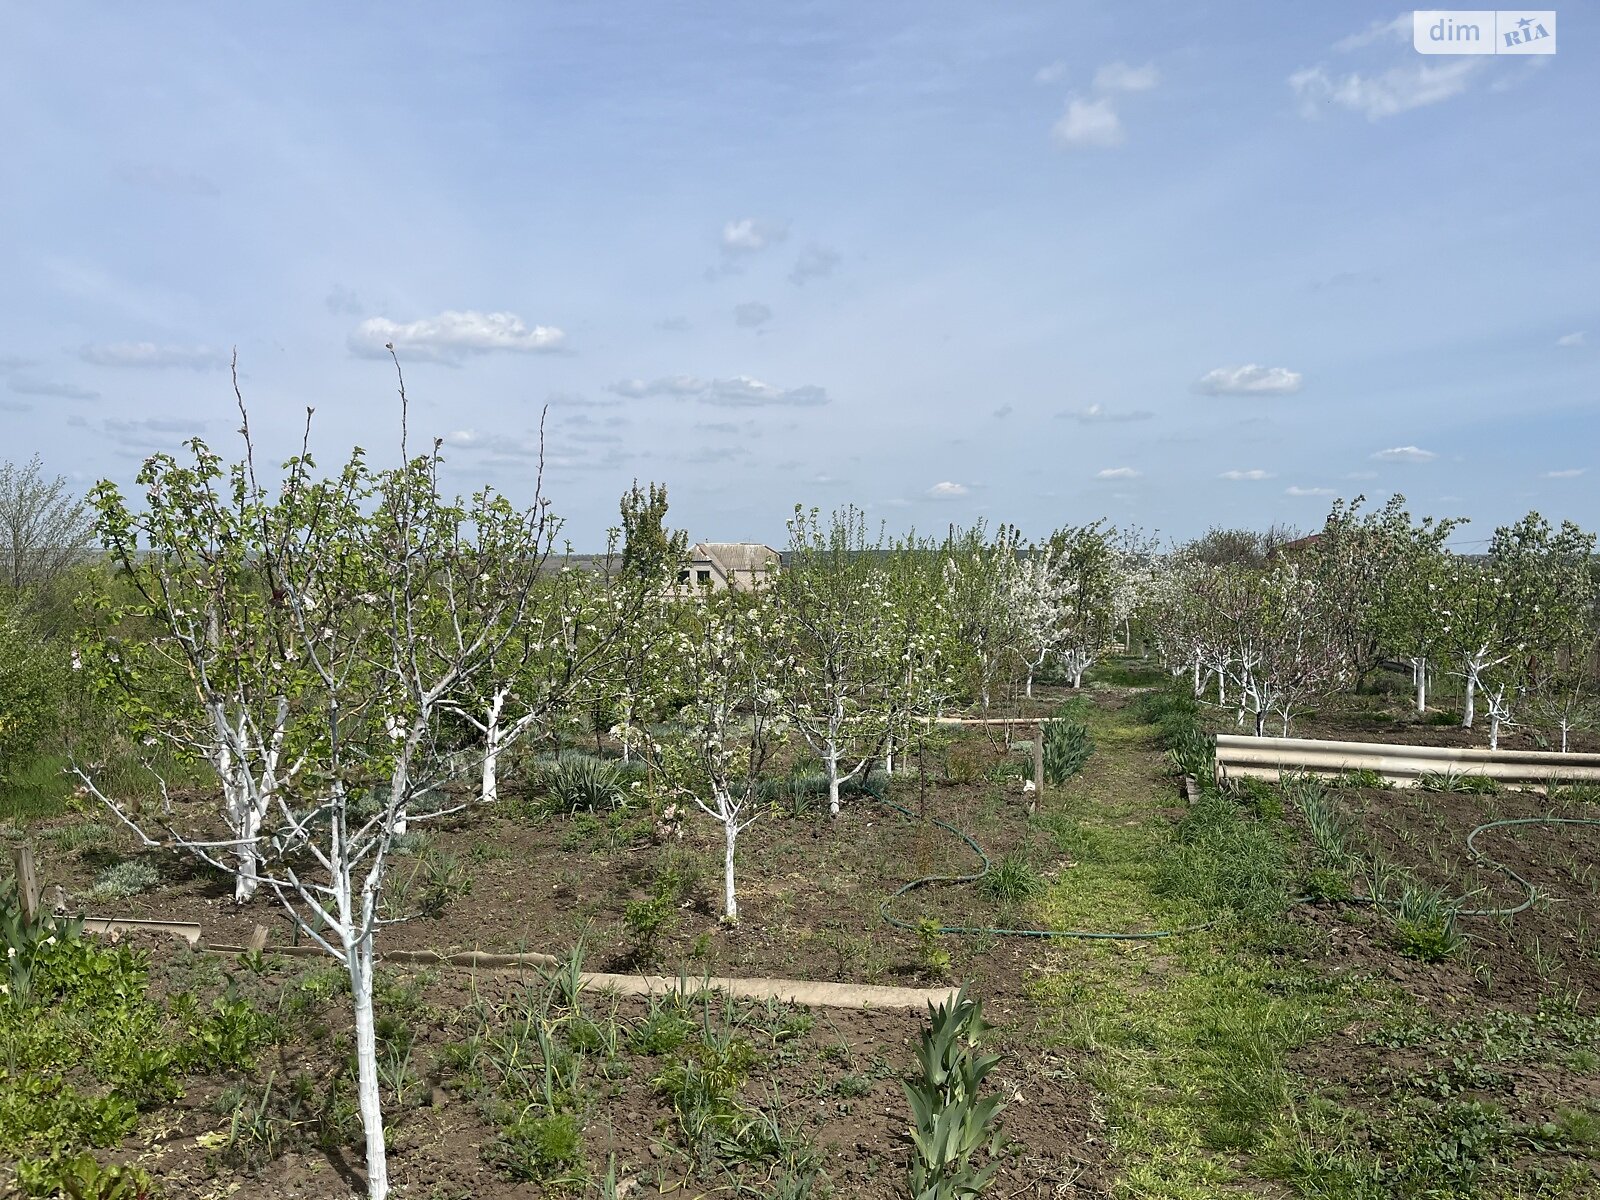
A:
[582,783]
[1425,924]
[963,761]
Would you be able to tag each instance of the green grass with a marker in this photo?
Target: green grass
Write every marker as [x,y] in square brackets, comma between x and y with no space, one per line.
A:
[36,790]
[1184,1039]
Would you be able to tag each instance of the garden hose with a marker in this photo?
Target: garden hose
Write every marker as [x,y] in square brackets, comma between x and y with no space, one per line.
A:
[1493,865]
[1079,934]
[1155,934]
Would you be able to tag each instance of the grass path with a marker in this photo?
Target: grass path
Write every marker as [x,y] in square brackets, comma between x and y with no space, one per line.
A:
[1183,1039]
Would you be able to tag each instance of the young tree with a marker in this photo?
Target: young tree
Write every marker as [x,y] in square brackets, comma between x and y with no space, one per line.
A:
[980,601]
[920,641]
[1517,609]
[1092,577]
[1374,569]
[44,527]
[371,601]
[836,604]
[1040,609]
[728,663]
[651,560]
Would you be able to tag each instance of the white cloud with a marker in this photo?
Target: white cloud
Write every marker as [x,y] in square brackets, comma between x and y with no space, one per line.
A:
[1397,30]
[1297,490]
[1097,414]
[1576,338]
[948,490]
[1088,123]
[815,262]
[1404,454]
[12,362]
[743,392]
[452,336]
[1120,77]
[1249,380]
[148,354]
[750,235]
[1253,473]
[1051,73]
[44,387]
[752,314]
[1396,90]
[739,392]
[1568,473]
[1117,473]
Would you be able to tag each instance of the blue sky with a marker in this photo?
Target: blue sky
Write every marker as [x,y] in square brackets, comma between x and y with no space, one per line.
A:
[1176,265]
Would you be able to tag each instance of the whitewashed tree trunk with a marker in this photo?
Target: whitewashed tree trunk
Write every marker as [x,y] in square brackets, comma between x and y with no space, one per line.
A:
[1469,706]
[358,962]
[730,837]
[1419,672]
[490,781]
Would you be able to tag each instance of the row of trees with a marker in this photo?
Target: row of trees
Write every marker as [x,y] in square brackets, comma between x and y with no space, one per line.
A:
[353,654]
[1516,625]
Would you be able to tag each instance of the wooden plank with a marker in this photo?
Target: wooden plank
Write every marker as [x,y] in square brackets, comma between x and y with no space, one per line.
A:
[113,927]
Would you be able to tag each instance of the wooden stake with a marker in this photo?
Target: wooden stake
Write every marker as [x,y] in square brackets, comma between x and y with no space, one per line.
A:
[1038,760]
[27,882]
[258,940]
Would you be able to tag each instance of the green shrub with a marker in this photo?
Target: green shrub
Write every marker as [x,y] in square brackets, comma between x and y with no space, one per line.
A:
[647,921]
[1425,924]
[963,761]
[582,783]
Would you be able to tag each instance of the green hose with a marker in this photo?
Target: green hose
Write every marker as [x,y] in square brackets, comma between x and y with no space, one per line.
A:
[1154,934]
[1492,865]
[1081,934]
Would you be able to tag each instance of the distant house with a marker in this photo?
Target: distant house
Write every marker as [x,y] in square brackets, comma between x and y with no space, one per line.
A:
[721,566]
[1297,546]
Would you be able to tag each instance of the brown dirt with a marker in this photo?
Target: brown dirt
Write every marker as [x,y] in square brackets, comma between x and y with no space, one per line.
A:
[809,889]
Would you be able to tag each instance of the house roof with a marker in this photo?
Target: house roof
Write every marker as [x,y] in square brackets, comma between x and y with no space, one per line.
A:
[736,556]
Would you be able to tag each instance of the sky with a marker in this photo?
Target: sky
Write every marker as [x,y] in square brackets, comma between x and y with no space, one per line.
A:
[1040,263]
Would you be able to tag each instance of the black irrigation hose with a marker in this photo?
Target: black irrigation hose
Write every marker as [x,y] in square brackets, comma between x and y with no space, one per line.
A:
[1080,934]
[1155,934]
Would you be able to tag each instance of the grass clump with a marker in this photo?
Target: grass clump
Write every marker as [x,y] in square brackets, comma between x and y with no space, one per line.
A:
[123,880]
[1011,880]
[1067,747]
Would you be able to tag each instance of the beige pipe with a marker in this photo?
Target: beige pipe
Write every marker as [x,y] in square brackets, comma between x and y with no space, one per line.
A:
[1266,757]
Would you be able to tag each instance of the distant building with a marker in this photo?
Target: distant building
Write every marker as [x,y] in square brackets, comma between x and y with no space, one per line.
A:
[721,566]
